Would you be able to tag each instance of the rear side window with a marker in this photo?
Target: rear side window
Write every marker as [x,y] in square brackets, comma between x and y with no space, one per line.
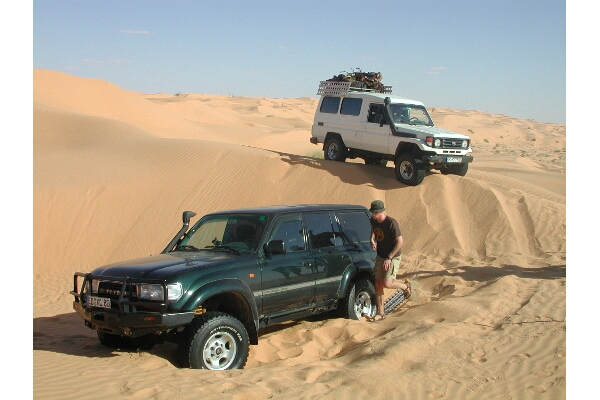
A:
[320,230]
[355,226]
[351,106]
[330,105]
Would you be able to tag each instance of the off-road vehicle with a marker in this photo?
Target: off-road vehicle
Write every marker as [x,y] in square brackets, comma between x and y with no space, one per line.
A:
[355,122]
[234,272]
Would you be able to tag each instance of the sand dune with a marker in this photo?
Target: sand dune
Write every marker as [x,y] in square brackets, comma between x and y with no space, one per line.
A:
[114,169]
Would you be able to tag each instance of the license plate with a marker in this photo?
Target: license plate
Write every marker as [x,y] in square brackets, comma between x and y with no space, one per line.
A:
[99,302]
[453,159]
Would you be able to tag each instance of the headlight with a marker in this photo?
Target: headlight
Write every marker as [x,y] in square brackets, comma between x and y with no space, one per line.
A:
[437,143]
[95,284]
[174,291]
[465,144]
[150,292]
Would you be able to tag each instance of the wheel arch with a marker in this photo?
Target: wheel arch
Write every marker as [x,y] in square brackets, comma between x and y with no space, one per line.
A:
[359,270]
[231,296]
[410,148]
[331,135]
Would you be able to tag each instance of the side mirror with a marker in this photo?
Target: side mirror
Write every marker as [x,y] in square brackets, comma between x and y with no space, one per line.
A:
[274,247]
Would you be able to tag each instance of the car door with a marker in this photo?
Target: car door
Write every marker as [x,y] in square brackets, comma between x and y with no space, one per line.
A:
[376,130]
[287,278]
[330,258]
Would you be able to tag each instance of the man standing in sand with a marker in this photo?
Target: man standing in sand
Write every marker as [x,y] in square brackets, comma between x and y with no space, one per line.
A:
[386,238]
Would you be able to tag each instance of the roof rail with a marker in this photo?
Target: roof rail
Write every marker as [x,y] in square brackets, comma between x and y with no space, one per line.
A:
[336,88]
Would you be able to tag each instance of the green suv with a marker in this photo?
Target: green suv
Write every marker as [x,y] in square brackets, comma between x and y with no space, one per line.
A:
[231,274]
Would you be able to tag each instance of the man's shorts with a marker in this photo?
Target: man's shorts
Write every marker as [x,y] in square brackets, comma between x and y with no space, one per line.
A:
[380,273]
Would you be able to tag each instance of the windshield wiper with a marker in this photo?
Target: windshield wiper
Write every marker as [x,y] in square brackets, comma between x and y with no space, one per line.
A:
[187,247]
[223,247]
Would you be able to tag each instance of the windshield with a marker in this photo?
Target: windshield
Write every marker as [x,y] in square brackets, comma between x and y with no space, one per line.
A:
[230,232]
[410,114]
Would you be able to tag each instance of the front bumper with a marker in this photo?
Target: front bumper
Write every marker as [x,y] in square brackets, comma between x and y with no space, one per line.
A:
[443,159]
[131,324]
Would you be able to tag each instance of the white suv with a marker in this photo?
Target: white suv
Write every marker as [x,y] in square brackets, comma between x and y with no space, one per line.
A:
[378,127]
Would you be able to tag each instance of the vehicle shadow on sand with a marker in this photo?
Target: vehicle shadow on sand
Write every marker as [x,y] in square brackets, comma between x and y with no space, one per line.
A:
[352,172]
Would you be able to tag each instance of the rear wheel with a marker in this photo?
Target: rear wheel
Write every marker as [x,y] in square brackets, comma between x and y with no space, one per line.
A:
[360,300]
[409,170]
[215,341]
[335,150]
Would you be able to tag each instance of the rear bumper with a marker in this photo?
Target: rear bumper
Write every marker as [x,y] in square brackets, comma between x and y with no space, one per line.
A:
[131,324]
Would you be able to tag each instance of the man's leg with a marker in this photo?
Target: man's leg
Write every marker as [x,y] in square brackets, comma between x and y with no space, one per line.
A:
[390,283]
[379,296]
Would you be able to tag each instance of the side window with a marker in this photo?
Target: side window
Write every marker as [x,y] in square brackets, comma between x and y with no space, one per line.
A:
[376,114]
[355,226]
[330,105]
[351,106]
[320,230]
[288,228]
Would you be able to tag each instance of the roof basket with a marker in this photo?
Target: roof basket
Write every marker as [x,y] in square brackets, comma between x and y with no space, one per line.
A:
[336,88]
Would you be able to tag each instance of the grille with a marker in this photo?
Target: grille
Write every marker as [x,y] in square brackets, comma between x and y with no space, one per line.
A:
[452,143]
[113,290]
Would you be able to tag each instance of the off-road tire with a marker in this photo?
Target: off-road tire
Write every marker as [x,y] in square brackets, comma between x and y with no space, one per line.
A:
[214,341]
[123,342]
[409,170]
[360,300]
[335,149]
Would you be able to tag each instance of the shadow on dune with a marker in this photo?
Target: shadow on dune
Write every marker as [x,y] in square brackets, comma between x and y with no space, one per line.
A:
[354,173]
[66,334]
[486,273]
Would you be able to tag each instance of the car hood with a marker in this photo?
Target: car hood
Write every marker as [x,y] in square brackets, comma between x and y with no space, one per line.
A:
[162,266]
[430,131]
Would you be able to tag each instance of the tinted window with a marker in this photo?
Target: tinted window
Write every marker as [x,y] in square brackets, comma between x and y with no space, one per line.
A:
[330,104]
[288,228]
[320,231]
[376,114]
[356,226]
[351,106]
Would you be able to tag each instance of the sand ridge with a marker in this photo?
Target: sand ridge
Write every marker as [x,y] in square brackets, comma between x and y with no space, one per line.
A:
[114,169]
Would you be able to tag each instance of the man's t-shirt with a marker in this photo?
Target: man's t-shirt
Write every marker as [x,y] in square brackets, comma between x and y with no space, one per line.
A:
[385,234]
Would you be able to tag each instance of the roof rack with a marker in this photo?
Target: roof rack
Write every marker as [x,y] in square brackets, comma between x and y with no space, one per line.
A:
[337,88]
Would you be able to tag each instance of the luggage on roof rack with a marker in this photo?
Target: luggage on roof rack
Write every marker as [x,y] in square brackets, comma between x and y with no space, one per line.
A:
[338,88]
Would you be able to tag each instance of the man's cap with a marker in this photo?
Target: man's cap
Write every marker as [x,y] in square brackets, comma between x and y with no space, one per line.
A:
[377,206]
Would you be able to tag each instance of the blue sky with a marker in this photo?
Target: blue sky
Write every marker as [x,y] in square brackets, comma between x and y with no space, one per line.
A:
[505,57]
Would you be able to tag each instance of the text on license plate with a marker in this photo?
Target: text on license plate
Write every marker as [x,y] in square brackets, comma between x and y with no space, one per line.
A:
[453,159]
[99,302]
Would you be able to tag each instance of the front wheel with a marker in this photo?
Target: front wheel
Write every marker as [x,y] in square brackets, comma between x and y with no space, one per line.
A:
[409,170]
[215,341]
[360,300]
[335,150]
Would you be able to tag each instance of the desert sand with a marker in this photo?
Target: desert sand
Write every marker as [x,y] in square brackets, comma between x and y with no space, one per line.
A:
[114,169]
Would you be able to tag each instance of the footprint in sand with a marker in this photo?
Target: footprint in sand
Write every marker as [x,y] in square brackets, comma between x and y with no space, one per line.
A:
[517,359]
[537,389]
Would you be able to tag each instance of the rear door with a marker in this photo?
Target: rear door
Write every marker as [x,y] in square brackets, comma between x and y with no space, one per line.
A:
[330,258]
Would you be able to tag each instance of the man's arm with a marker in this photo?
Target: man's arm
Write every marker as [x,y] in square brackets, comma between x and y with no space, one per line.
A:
[398,243]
